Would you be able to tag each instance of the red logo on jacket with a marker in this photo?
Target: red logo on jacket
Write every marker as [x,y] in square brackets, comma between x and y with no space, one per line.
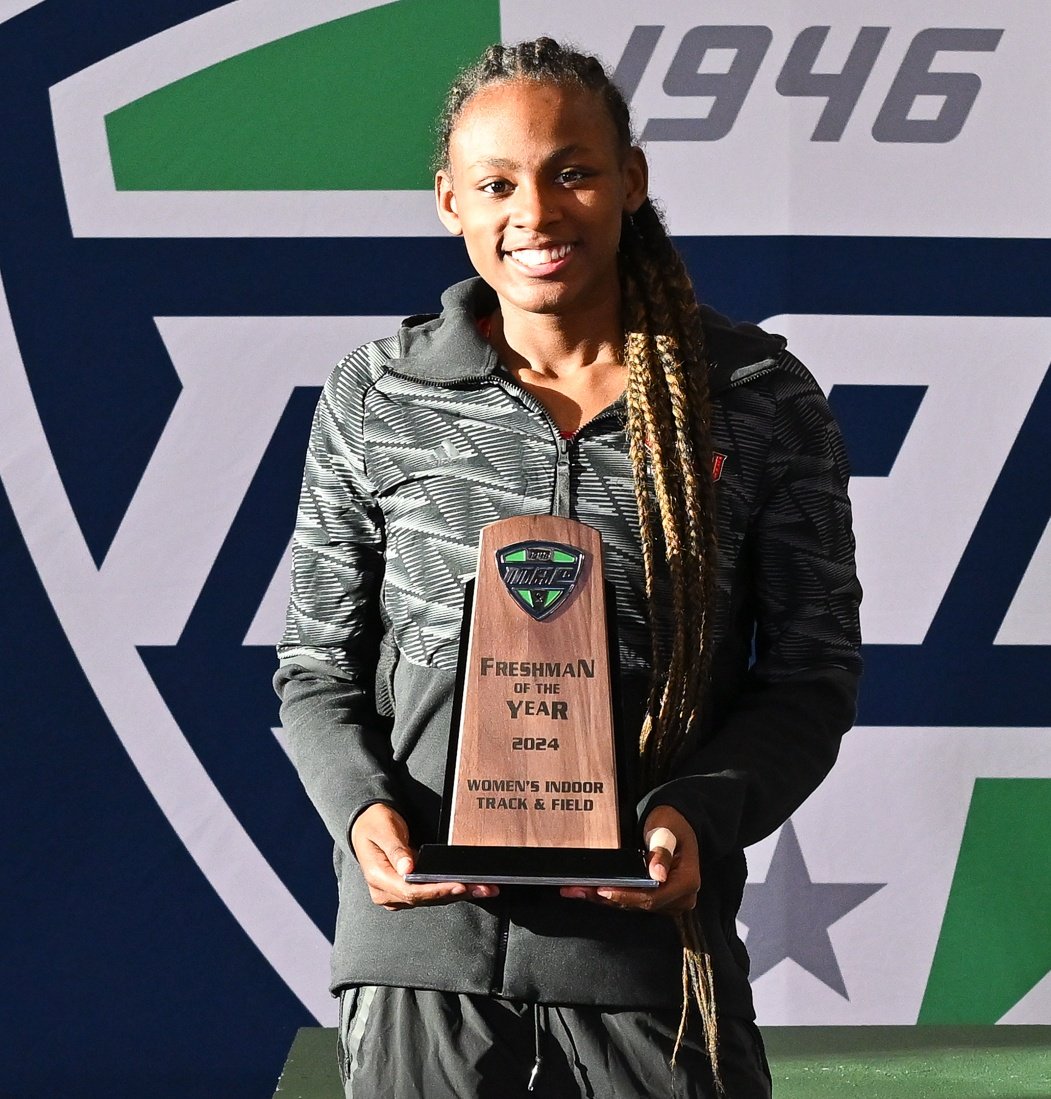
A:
[718,461]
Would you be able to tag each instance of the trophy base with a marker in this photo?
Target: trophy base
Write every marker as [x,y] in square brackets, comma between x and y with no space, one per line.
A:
[617,867]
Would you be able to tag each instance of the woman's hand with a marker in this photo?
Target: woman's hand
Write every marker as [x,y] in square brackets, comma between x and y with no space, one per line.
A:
[675,863]
[380,838]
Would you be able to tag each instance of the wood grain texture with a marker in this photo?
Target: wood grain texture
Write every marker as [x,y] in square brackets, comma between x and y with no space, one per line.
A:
[529,683]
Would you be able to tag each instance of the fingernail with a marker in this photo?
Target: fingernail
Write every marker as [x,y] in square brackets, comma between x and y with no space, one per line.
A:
[605,893]
[458,890]
[404,865]
[574,894]
[479,891]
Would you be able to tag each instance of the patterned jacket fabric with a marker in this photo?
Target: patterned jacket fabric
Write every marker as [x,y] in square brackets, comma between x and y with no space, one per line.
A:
[419,441]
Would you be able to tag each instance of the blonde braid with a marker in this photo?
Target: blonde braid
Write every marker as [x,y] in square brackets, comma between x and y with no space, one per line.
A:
[666,404]
[640,429]
[651,428]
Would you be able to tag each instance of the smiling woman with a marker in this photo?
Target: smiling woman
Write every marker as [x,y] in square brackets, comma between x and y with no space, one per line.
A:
[537,183]
[578,376]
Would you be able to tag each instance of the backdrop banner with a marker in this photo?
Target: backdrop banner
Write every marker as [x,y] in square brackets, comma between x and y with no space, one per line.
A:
[204,205]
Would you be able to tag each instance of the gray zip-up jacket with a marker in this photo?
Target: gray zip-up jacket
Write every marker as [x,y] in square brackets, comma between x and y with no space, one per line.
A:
[420,440]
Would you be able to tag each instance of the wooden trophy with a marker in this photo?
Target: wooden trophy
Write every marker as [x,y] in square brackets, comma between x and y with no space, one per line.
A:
[537,788]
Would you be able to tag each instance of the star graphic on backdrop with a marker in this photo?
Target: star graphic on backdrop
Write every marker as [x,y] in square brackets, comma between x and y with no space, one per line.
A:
[788,915]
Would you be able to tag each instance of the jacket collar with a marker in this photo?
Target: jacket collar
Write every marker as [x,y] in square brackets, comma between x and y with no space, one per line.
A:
[447,348]
[737,352]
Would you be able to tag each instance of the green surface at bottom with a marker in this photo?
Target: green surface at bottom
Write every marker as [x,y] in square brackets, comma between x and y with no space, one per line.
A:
[930,1062]
[310,1071]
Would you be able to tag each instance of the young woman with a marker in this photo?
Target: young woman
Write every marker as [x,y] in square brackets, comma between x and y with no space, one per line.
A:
[577,375]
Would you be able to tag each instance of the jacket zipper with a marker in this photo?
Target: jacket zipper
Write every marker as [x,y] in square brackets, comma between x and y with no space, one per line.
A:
[501,953]
[561,503]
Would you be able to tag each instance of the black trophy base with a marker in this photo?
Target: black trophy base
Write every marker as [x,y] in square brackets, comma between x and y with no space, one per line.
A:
[623,868]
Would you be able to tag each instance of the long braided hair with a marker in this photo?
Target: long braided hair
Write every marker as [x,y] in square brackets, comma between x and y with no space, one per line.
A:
[670,449]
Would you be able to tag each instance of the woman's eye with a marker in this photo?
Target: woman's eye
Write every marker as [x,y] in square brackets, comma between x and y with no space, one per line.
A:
[571,175]
[496,187]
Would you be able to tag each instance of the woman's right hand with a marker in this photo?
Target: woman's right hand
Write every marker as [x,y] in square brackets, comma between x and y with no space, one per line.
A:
[380,838]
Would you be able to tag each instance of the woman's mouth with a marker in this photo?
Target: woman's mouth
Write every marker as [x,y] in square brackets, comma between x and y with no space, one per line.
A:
[541,261]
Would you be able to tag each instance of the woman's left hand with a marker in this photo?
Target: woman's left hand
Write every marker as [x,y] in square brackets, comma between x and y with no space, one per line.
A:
[678,871]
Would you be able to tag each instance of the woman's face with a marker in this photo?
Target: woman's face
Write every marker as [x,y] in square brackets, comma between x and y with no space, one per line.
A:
[537,186]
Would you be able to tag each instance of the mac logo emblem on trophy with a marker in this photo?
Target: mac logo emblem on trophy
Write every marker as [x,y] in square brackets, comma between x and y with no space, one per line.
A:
[539,575]
[537,788]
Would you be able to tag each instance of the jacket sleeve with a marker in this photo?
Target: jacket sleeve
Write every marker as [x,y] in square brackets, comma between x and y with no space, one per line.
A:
[328,653]
[780,735]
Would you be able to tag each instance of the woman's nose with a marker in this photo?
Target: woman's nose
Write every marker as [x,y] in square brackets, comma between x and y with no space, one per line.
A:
[534,206]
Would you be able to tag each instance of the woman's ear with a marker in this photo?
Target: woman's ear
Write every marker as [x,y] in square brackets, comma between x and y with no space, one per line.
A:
[445,200]
[636,179]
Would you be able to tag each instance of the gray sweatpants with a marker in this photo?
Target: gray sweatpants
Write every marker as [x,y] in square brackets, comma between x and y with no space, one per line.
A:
[398,1043]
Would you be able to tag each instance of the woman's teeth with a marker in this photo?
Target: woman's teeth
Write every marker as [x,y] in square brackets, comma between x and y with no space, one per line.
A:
[537,257]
